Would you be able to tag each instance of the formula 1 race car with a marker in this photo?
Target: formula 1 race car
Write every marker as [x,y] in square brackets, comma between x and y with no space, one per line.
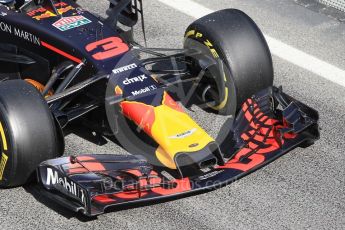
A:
[65,70]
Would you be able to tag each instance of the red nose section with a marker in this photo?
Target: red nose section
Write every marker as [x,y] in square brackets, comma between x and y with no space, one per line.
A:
[142,115]
[168,101]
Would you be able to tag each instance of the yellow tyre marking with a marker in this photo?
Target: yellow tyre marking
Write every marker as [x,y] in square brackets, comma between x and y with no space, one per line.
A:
[215,54]
[3,137]
[190,33]
[223,103]
[198,35]
[3,162]
[208,43]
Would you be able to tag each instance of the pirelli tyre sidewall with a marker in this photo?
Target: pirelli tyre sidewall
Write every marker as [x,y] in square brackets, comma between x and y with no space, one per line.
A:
[6,161]
[233,37]
[28,132]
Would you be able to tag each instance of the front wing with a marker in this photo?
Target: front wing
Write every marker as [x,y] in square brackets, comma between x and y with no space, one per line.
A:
[269,125]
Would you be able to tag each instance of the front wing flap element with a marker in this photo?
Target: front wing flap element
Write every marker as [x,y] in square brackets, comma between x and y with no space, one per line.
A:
[269,125]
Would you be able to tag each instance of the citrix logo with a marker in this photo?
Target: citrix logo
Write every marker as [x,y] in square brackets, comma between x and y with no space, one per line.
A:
[140,78]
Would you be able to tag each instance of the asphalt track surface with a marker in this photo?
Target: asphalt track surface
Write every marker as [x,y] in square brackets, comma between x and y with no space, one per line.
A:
[302,190]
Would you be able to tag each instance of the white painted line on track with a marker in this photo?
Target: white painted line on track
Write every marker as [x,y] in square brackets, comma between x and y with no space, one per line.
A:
[278,48]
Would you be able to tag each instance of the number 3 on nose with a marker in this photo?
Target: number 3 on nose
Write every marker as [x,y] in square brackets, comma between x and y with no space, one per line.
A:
[112,47]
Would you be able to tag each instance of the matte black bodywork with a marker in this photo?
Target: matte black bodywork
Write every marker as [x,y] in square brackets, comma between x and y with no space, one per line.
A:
[35,49]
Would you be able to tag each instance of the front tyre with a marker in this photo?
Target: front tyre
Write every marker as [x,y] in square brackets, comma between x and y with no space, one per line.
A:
[27,132]
[246,64]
